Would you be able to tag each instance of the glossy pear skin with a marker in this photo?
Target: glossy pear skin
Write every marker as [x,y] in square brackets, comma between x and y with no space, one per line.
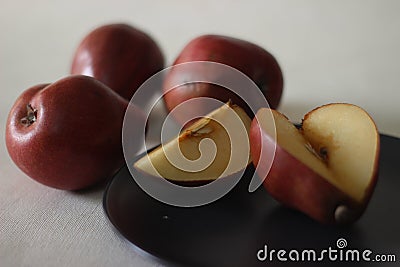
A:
[75,140]
[252,60]
[302,188]
[120,56]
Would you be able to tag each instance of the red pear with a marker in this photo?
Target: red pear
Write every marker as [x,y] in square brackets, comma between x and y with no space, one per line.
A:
[67,134]
[120,56]
[252,60]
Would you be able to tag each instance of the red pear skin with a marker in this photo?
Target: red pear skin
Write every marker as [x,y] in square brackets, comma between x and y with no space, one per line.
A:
[72,138]
[295,185]
[120,56]
[252,60]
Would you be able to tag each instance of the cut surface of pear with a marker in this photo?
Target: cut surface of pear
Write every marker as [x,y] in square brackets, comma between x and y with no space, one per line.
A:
[339,142]
[214,146]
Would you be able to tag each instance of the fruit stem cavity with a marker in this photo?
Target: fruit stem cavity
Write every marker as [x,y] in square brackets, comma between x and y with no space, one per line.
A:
[30,116]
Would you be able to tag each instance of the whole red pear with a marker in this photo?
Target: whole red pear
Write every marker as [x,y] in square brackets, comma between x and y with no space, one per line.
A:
[67,134]
[120,56]
[252,60]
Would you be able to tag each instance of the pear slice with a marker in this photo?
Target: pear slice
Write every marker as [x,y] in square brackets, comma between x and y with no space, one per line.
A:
[214,146]
[328,168]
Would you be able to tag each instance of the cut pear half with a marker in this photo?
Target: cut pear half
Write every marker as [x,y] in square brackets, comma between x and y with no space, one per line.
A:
[339,142]
[214,146]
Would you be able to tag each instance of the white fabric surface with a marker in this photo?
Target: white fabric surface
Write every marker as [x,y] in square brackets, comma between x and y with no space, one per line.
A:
[45,227]
[330,51]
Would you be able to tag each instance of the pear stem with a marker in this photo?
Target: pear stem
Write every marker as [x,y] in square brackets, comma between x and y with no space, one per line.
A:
[30,116]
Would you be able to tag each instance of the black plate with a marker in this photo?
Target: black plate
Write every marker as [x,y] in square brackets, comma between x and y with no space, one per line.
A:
[230,231]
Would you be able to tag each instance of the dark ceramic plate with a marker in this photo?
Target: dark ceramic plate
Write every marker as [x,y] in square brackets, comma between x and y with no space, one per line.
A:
[230,231]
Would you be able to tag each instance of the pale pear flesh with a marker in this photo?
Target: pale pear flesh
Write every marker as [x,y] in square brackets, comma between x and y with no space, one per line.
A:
[204,151]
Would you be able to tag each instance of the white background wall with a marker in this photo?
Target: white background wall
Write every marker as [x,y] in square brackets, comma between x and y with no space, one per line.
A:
[330,51]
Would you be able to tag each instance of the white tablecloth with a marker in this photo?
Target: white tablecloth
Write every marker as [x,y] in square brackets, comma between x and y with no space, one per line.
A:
[330,51]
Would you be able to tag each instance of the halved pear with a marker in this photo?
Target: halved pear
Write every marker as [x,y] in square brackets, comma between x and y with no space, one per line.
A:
[328,168]
[212,147]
